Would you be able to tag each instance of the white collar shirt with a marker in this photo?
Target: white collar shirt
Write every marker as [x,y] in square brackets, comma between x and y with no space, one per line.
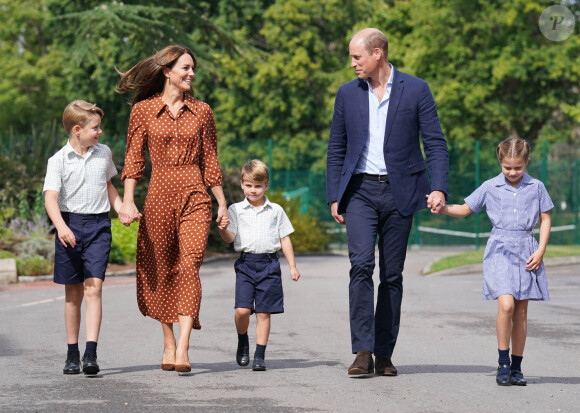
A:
[81,181]
[372,158]
[258,230]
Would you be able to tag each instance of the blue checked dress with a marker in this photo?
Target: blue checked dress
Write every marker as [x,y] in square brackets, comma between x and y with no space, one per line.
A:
[513,212]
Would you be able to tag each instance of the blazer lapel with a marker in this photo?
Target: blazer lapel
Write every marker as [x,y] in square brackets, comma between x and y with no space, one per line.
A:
[363,103]
[396,93]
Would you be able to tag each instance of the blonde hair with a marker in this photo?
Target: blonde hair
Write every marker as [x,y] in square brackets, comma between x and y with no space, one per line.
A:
[79,112]
[255,171]
[146,78]
[513,148]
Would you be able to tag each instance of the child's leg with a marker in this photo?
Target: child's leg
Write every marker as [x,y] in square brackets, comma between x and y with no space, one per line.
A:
[262,334]
[242,319]
[169,347]
[519,332]
[503,324]
[262,328]
[93,290]
[72,311]
[520,327]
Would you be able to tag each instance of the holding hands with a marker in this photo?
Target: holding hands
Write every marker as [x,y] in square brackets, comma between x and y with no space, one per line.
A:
[129,213]
[223,220]
[436,202]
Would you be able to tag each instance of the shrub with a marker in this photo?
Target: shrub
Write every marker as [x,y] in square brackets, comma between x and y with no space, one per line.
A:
[6,254]
[116,256]
[33,265]
[309,235]
[125,238]
[35,247]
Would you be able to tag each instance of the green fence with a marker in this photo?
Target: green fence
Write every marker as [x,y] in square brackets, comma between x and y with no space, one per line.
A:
[24,163]
[471,163]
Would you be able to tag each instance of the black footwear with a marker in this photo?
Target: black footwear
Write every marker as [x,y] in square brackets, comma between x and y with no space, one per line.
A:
[384,366]
[517,378]
[90,365]
[243,355]
[259,364]
[503,375]
[72,365]
[363,364]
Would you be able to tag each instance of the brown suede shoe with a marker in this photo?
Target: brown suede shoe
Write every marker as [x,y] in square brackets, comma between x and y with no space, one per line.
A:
[384,367]
[363,364]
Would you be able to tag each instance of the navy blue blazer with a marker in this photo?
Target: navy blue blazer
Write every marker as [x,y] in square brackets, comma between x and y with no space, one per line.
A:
[412,115]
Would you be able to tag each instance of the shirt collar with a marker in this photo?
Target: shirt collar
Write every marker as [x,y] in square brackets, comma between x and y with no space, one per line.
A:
[501,181]
[189,102]
[246,204]
[389,82]
[68,149]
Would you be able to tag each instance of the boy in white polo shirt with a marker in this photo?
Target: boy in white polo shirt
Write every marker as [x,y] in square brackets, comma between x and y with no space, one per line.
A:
[78,195]
[258,229]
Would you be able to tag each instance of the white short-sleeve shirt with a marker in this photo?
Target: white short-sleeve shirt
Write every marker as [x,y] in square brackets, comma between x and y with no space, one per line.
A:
[258,230]
[81,181]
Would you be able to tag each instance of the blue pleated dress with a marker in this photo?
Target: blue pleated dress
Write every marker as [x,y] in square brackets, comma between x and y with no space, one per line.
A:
[514,212]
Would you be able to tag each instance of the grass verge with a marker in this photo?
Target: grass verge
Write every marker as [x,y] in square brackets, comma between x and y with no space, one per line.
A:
[476,257]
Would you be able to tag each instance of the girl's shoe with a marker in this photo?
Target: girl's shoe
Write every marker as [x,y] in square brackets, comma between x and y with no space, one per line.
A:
[517,378]
[503,375]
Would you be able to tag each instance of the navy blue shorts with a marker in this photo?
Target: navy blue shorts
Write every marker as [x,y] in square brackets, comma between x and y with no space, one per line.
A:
[90,256]
[259,283]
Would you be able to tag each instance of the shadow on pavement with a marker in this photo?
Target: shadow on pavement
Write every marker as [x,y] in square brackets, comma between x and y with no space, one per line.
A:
[273,364]
[443,368]
[129,369]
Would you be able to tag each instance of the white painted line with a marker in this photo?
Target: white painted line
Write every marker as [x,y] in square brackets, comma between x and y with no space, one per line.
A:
[50,300]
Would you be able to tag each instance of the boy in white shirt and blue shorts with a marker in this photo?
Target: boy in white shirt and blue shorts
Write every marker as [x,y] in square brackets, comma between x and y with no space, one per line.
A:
[258,228]
[78,195]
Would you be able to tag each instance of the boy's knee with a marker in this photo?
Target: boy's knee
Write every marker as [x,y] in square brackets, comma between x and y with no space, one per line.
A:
[263,316]
[243,312]
[93,288]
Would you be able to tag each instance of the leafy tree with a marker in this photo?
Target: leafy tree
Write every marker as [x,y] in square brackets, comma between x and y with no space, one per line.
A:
[491,70]
[283,87]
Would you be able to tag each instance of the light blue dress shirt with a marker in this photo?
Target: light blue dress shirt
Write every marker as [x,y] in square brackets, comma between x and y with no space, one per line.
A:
[372,158]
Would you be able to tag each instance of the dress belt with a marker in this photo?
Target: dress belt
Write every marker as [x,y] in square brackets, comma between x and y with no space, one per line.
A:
[518,233]
[380,178]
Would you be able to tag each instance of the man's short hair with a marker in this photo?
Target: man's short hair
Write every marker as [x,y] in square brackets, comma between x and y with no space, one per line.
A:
[374,39]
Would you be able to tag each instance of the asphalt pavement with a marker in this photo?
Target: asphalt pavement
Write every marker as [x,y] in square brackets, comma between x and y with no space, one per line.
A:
[446,353]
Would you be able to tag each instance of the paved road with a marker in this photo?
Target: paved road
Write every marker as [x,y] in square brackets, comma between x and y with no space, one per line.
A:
[446,354]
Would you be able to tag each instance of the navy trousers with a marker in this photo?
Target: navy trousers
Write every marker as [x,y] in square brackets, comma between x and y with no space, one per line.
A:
[371,212]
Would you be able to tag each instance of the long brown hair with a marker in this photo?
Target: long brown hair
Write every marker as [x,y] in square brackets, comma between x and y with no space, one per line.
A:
[146,78]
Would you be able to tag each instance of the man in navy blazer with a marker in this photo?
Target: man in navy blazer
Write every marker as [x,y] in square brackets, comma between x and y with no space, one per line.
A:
[376,179]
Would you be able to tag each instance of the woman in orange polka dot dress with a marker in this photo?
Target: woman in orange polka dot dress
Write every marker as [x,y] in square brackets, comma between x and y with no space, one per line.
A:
[180,135]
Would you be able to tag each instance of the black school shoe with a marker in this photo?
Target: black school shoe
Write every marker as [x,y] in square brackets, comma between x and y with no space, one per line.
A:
[503,375]
[517,378]
[90,365]
[243,355]
[259,364]
[72,365]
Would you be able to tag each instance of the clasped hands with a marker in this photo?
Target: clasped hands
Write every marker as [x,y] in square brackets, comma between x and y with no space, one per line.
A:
[436,202]
[129,213]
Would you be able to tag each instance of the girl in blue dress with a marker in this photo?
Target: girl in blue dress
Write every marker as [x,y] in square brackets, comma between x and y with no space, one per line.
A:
[513,271]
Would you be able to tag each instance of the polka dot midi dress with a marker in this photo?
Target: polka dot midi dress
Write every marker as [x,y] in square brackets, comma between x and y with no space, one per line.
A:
[176,218]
